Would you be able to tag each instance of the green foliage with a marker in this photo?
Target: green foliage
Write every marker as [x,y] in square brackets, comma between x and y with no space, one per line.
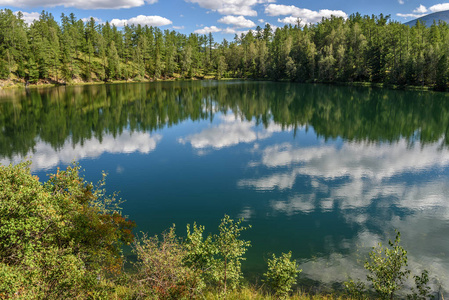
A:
[421,291]
[387,268]
[56,238]
[162,270]
[368,48]
[355,289]
[229,251]
[281,274]
[170,268]
[219,256]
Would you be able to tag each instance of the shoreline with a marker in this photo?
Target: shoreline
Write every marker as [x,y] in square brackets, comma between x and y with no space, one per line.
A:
[15,84]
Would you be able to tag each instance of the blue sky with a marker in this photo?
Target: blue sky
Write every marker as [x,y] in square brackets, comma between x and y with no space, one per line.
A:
[224,18]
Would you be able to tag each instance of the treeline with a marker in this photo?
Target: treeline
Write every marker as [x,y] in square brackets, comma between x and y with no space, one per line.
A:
[357,49]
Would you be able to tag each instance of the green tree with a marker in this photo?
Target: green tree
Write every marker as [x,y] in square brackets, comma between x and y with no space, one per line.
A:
[387,267]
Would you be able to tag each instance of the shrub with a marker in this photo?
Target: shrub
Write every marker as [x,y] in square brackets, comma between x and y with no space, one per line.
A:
[219,256]
[387,268]
[281,274]
[57,239]
[421,291]
[162,270]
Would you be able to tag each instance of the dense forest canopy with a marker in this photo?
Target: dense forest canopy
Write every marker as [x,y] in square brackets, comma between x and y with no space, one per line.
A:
[359,48]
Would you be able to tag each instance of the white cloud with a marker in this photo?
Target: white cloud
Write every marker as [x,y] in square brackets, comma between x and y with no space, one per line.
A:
[420,10]
[401,1]
[178,27]
[410,15]
[305,15]
[279,10]
[29,17]
[261,21]
[97,20]
[291,20]
[231,7]
[439,7]
[230,30]
[142,20]
[239,22]
[44,156]
[207,30]
[81,4]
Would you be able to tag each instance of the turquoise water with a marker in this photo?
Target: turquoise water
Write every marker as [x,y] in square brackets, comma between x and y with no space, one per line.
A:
[324,171]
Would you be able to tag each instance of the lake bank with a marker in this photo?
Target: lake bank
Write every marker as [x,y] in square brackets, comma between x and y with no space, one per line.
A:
[21,83]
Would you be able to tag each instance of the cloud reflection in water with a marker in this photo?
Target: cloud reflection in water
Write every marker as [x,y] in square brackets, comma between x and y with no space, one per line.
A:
[376,187]
[232,131]
[44,156]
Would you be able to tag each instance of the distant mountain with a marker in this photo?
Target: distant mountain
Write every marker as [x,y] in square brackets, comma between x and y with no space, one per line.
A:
[428,19]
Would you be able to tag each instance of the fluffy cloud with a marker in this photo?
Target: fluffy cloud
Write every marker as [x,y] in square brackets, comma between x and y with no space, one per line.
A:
[231,7]
[82,4]
[439,7]
[207,30]
[410,15]
[230,30]
[97,20]
[420,10]
[305,15]
[44,156]
[142,20]
[239,22]
[29,17]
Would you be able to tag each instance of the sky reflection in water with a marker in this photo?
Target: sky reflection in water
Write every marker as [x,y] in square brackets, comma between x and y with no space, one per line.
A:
[309,183]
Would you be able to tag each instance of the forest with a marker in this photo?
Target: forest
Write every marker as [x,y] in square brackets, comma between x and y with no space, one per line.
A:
[372,49]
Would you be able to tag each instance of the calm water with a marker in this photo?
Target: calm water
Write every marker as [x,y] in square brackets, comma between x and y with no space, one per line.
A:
[323,171]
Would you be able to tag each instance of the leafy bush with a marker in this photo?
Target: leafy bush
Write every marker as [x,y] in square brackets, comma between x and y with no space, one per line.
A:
[219,256]
[281,274]
[59,238]
[421,291]
[387,268]
[162,270]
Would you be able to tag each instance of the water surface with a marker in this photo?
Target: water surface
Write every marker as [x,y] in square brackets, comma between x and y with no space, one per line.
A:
[323,171]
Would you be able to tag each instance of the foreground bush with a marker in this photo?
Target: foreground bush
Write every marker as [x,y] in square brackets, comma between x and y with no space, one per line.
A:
[281,274]
[161,268]
[58,239]
[170,268]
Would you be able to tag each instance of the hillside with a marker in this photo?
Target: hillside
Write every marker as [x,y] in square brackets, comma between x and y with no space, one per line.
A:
[428,19]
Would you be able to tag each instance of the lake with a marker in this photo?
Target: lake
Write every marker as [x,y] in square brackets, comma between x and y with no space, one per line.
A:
[323,171]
